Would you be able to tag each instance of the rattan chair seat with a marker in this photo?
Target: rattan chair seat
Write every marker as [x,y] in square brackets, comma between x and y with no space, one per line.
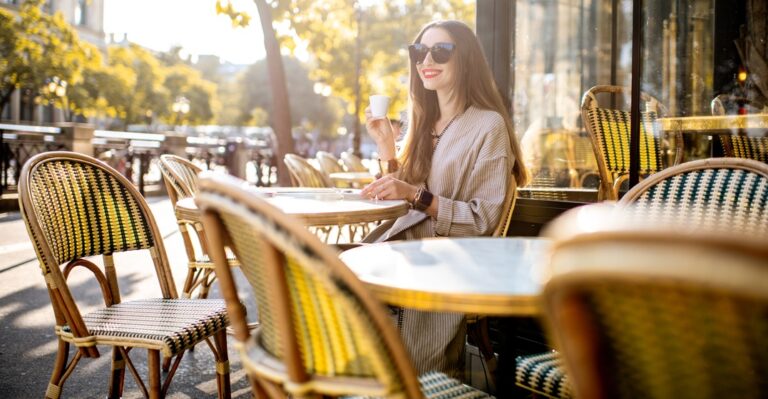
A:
[543,373]
[436,385]
[184,323]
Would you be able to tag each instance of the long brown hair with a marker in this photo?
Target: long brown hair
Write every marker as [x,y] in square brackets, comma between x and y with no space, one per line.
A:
[474,86]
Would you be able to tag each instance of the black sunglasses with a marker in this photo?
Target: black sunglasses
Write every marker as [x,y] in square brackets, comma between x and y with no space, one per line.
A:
[441,52]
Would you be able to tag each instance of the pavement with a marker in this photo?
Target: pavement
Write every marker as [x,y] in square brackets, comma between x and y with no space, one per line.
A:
[27,341]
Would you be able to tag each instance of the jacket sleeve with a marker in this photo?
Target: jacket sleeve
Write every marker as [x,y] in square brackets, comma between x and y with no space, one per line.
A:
[483,193]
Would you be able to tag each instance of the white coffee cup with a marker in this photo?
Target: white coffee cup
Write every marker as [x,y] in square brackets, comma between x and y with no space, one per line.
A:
[379,105]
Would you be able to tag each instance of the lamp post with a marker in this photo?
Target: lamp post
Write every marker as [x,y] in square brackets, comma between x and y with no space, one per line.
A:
[180,107]
[58,87]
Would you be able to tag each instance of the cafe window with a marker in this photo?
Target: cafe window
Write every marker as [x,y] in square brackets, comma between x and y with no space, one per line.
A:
[699,57]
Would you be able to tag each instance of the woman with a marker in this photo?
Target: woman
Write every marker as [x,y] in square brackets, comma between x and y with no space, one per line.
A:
[456,167]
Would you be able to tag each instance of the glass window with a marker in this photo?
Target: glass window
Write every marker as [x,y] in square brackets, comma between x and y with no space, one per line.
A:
[81,13]
[700,57]
[561,49]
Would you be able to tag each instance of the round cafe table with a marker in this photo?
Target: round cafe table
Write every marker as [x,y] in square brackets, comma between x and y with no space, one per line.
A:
[317,207]
[484,275]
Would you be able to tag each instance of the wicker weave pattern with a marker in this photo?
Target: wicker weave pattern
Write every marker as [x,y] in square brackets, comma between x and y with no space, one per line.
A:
[329,334]
[435,385]
[611,127]
[710,196]
[303,174]
[248,244]
[328,163]
[667,344]
[748,147]
[333,333]
[543,373]
[84,211]
[173,325]
[183,176]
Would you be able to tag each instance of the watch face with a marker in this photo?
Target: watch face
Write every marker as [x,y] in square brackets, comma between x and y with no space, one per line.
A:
[424,200]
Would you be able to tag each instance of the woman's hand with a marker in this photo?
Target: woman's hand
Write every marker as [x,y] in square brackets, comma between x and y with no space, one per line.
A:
[380,130]
[389,188]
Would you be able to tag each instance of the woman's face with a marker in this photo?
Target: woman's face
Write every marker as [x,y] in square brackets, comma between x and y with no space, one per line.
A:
[434,76]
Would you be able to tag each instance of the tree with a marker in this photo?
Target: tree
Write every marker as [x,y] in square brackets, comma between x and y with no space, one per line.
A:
[357,49]
[181,80]
[281,121]
[37,47]
[146,76]
[306,105]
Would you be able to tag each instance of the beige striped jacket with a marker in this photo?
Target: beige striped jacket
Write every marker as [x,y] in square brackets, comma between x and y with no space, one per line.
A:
[471,173]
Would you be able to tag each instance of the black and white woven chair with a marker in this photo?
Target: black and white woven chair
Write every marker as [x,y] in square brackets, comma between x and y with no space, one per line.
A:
[641,308]
[730,193]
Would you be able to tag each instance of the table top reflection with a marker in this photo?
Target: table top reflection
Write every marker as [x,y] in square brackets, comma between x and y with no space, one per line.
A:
[717,124]
[484,275]
[317,207]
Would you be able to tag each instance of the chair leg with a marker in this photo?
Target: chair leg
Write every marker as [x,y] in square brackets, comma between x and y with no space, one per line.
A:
[222,364]
[167,363]
[56,382]
[117,379]
[153,361]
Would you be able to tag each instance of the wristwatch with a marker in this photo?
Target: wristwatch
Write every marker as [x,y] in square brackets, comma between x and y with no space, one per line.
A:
[423,200]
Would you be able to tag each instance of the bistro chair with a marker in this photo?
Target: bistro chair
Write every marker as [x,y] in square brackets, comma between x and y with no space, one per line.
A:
[352,163]
[303,174]
[679,313]
[77,207]
[322,332]
[180,177]
[716,193]
[478,329]
[609,130]
[738,144]
[328,163]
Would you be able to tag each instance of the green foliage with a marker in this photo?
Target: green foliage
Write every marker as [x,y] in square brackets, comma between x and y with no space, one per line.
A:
[334,31]
[37,47]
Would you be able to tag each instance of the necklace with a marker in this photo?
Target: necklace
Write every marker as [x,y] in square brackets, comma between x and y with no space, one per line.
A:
[436,137]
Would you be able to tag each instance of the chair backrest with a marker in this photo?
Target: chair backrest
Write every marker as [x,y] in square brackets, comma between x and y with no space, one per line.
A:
[303,174]
[727,192]
[737,145]
[328,163]
[352,162]
[609,130]
[507,211]
[316,316]
[180,176]
[655,313]
[74,207]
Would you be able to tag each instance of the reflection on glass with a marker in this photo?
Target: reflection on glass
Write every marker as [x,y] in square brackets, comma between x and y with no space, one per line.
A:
[700,58]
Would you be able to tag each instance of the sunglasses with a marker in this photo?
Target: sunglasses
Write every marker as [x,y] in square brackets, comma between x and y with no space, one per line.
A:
[441,52]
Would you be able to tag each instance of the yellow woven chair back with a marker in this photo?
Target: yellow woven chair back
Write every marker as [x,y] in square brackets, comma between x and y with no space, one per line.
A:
[328,163]
[316,316]
[84,208]
[75,207]
[352,162]
[740,145]
[657,314]
[180,176]
[609,130]
[303,174]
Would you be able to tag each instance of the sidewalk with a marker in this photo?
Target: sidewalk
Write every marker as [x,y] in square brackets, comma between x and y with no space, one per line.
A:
[27,340]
